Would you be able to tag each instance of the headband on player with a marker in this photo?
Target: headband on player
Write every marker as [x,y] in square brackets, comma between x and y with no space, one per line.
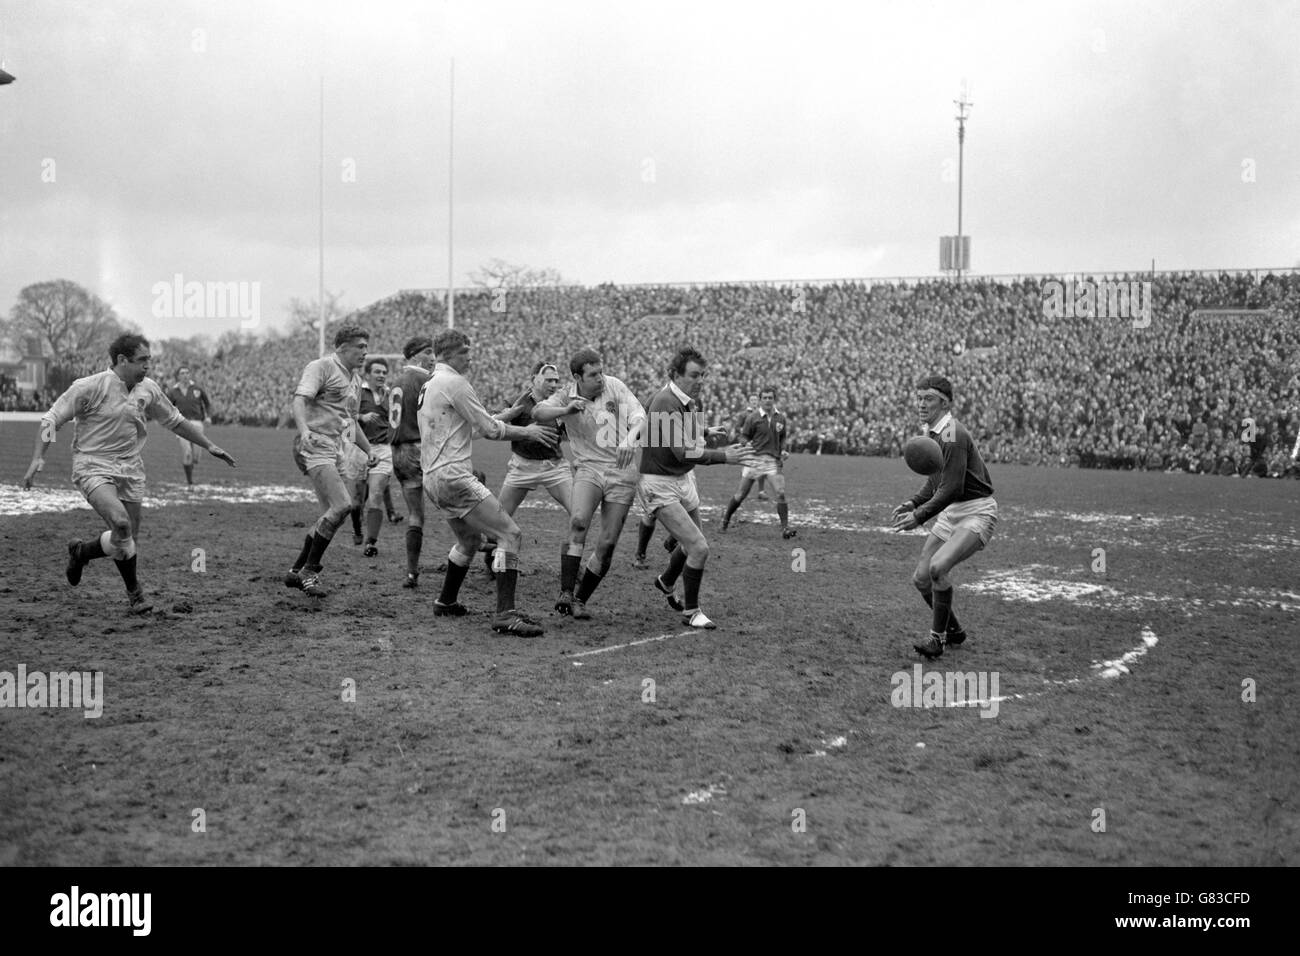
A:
[417,345]
[937,384]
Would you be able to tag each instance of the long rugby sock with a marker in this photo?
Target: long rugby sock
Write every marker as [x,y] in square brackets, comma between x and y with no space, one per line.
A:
[783,512]
[676,561]
[374,521]
[388,502]
[691,578]
[457,568]
[189,474]
[590,581]
[952,618]
[732,505]
[506,589]
[356,520]
[644,533]
[318,546]
[942,610]
[92,549]
[670,543]
[305,553]
[569,564]
[414,541]
[126,568]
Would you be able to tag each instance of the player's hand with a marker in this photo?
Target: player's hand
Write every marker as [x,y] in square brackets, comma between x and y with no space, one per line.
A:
[785,455]
[369,417]
[738,453]
[625,458]
[546,434]
[221,453]
[902,509]
[906,521]
[36,465]
[717,431]
[577,403]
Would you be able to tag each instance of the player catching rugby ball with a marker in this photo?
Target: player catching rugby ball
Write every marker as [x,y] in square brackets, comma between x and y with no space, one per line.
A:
[961,494]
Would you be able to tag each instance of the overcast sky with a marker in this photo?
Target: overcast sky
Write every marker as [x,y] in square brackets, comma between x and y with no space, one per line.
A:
[635,142]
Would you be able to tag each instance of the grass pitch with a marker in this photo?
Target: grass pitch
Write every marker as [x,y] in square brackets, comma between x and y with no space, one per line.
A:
[1128,620]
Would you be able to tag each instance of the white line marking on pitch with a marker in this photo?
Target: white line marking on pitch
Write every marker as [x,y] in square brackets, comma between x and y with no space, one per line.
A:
[1102,669]
[645,640]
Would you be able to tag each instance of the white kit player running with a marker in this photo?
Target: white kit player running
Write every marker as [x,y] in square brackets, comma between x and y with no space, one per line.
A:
[112,410]
[602,419]
[325,406]
[450,415]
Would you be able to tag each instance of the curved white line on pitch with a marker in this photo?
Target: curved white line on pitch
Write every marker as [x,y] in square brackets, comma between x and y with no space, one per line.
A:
[1120,665]
[1100,669]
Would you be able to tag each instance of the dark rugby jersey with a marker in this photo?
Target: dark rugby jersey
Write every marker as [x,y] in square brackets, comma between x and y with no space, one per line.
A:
[403,399]
[766,433]
[527,448]
[962,478]
[378,431]
[190,400]
[674,437]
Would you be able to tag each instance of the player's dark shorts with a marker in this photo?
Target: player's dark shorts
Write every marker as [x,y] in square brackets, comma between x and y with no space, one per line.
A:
[406,462]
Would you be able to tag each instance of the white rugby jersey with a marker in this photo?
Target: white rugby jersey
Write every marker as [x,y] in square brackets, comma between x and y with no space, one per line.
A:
[111,421]
[450,416]
[597,432]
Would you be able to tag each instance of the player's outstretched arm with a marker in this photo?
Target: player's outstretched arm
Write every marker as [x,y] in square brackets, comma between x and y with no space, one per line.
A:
[549,410]
[186,430]
[38,456]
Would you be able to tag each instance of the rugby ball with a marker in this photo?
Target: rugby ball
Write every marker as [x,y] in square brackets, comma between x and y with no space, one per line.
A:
[923,455]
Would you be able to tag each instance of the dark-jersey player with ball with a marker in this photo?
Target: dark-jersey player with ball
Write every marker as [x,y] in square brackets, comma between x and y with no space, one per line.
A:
[960,493]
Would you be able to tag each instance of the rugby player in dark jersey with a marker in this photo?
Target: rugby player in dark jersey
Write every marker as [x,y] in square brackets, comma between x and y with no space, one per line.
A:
[961,495]
[403,398]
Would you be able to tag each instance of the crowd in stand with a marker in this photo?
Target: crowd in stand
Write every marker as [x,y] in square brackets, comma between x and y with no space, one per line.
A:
[14,400]
[1189,390]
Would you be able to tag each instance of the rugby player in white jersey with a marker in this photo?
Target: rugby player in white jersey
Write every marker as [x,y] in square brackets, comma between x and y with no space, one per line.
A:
[111,410]
[450,415]
[601,419]
[325,406]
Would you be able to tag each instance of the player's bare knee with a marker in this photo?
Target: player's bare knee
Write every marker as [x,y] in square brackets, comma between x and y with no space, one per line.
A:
[121,527]
[921,579]
[510,539]
[938,575]
[697,550]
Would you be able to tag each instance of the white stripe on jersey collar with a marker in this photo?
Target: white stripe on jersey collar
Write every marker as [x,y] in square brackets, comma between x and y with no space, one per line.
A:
[940,425]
